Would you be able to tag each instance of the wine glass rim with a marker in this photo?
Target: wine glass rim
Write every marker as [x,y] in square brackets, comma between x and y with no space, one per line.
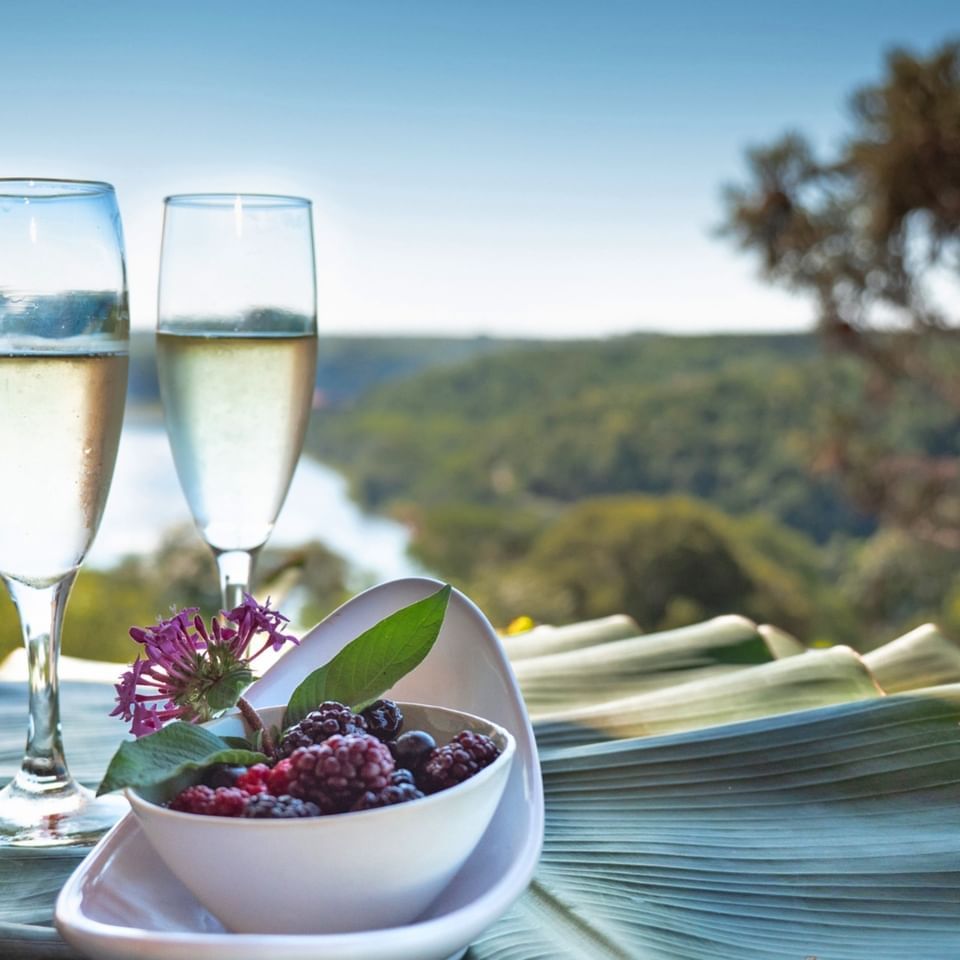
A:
[51,188]
[231,199]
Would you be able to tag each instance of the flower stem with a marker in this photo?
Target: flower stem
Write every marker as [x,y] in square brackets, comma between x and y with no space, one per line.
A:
[267,742]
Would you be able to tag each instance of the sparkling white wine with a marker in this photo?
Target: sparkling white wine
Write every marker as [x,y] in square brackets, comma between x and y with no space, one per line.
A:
[236,409]
[60,419]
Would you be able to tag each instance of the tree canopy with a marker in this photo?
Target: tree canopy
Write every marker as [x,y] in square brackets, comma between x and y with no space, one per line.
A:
[872,234]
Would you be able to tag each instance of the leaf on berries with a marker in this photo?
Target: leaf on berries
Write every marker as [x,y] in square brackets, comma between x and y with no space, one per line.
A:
[372,663]
[168,755]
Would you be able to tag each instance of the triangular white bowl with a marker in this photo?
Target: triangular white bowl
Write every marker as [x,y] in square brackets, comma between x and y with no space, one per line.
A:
[122,902]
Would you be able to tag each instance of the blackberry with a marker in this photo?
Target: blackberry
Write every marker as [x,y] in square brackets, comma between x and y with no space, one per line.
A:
[221,775]
[400,789]
[334,773]
[410,748]
[466,754]
[264,806]
[221,802]
[384,719]
[328,719]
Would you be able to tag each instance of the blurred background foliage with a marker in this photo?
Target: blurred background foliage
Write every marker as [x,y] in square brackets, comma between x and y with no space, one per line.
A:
[807,481]
[871,234]
[104,604]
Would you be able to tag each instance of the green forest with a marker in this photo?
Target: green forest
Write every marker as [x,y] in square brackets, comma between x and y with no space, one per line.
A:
[671,478]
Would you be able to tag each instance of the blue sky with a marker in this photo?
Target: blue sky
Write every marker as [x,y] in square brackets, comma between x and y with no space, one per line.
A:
[537,168]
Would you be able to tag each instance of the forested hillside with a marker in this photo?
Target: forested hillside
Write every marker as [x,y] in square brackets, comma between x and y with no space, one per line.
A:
[513,467]
[347,367]
[731,420]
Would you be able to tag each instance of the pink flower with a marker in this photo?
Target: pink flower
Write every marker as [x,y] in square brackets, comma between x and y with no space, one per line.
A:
[189,672]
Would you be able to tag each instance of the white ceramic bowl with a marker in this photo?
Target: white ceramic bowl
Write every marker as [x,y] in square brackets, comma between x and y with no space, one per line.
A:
[335,874]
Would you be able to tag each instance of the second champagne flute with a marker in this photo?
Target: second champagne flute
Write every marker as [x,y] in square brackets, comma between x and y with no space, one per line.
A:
[236,355]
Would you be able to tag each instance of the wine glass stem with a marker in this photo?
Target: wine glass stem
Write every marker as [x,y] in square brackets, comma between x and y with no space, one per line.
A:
[236,571]
[41,610]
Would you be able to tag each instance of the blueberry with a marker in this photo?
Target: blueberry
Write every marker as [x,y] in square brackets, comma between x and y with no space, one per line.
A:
[411,747]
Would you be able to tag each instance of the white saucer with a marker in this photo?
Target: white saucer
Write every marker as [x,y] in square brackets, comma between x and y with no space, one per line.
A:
[123,902]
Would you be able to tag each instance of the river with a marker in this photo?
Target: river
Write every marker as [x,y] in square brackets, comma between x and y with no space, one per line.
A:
[145,501]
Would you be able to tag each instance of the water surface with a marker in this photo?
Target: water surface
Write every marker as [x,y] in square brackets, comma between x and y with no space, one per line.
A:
[146,501]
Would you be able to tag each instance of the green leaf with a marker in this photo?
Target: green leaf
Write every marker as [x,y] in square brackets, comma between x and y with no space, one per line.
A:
[817,678]
[170,753]
[622,668]
[546,639]
[372,663]
[240,743]
[922,658]
[828,833]
[781,643]
[30,879]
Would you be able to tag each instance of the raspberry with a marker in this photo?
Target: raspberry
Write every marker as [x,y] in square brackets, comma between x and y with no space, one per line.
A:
[222,802]
[334,773]
[267,807]
[254,779]
[278,779]
[384,719]
[328,719]
[410,748]
[466,754]
[400,789]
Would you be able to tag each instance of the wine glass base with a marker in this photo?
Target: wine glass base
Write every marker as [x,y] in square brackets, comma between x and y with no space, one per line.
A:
[68,816]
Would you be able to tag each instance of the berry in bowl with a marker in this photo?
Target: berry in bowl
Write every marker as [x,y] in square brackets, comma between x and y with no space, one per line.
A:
[320,817]
[335,837]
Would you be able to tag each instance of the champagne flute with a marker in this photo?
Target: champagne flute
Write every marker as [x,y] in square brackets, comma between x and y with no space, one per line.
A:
[64,335]
[236,356]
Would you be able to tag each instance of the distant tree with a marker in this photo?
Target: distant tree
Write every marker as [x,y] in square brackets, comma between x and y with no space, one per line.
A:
[665,561]
[306,583]
[315,575]
[872,234]
[459,539]
[896,581]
